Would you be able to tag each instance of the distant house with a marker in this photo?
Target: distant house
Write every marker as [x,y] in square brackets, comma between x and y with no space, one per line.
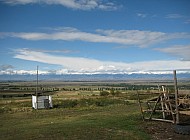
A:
[42,102]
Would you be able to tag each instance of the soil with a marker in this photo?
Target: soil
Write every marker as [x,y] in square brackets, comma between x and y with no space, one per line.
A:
[165,131]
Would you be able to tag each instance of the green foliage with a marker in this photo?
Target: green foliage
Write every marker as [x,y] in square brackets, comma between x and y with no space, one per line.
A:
[5,109]
[107,101]
[117,93]
[65,103]
[86,102]
[104,93]
[112,92]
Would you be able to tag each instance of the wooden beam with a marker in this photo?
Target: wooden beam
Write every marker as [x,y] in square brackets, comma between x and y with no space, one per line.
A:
[176,97]
[162,105]
[154,108]
[166,111]
[172,113]
[163,120]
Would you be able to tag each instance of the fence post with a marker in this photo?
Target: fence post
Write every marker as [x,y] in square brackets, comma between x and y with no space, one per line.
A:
[176,97]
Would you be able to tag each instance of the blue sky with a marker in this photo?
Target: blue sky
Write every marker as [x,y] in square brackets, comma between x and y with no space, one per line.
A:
[94,36]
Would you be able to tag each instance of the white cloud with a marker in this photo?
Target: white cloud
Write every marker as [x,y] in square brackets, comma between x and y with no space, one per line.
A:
[79,65]
[181,51]
[74,4]
[174,16]
[184,18]
[23,72]
[14,2]
[49,51]
[141,15]
[187,21]
[124,37]
[6,67]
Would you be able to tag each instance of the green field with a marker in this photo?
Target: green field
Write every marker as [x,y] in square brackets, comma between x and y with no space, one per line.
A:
[110,122]
[80,111]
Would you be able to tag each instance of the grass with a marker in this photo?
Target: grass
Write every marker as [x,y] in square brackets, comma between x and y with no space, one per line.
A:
[77,114]
[113,121]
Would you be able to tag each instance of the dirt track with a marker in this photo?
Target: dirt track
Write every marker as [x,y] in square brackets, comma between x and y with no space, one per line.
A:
[164,131]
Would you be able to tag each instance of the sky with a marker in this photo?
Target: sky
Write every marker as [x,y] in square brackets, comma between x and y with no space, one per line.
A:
[94,36]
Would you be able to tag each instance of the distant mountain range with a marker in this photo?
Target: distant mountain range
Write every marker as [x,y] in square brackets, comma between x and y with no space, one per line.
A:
[94,77]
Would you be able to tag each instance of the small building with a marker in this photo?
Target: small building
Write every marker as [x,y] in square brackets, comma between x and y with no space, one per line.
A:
[42,101]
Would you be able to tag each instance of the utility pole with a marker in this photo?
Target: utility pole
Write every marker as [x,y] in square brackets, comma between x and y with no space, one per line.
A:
[37,89]
[176,97]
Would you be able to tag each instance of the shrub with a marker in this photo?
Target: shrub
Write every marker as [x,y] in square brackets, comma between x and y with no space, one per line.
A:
[87,102]
[65,104]
[104,93]
[117,93]
[5,109]
[112,92]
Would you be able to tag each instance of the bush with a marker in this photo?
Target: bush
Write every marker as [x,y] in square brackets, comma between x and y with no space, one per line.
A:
[112,92]
[117,93]
[65,104]
[104,93]
[107,101]
[5,109]
[86,102]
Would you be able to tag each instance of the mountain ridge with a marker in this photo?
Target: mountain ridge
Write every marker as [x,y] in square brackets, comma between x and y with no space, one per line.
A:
[93,77]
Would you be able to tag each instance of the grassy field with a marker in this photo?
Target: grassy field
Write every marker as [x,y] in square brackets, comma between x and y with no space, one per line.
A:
[77,114]
[116,121]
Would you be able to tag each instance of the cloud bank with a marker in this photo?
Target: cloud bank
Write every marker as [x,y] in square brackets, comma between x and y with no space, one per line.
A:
[123,37]
[79,65]
[74,4]
[182,51]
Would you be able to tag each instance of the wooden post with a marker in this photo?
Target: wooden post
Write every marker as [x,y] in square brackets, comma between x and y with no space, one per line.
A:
[154,108]
[140,105]
[176,97]
[162,105]
[173,117]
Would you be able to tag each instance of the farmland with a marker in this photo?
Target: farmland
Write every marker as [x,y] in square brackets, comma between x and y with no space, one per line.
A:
[82,110]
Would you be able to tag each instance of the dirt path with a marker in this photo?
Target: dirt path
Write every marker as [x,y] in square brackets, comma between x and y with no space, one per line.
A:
[163,131]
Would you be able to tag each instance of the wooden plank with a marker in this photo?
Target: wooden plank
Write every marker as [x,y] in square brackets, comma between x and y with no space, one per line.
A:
[166,111]
[163,120]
